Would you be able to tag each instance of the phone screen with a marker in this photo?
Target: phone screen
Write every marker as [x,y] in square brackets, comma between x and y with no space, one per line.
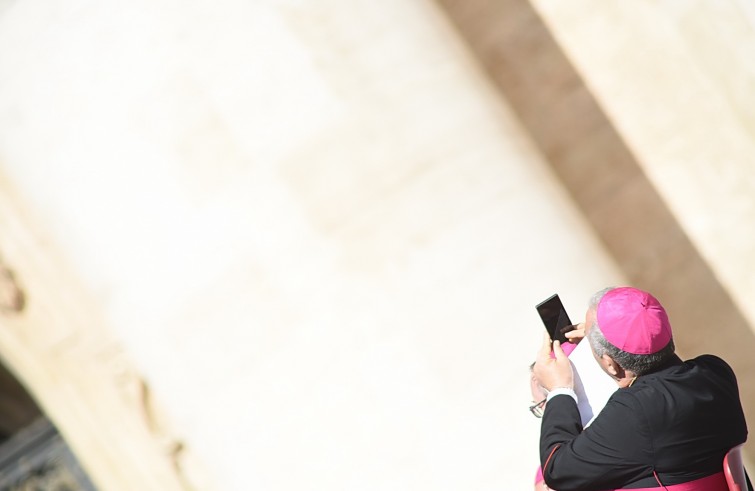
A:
[554,317]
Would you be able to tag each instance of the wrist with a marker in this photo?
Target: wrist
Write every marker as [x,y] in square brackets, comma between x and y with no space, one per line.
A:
[556,391]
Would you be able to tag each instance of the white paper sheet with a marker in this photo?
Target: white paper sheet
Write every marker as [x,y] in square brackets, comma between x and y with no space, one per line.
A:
[592,385]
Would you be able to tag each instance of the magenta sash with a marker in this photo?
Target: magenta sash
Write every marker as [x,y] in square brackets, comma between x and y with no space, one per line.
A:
[716,482]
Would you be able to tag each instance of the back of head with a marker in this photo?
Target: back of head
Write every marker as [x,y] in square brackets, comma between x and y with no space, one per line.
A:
[631,327]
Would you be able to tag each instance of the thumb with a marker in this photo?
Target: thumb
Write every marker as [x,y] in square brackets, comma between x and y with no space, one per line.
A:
[558,351]
[545,348]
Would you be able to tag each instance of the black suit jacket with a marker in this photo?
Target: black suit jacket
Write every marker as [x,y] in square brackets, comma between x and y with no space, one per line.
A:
[678,421]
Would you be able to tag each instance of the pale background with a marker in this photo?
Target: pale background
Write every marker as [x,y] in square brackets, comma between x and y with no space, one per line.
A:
[316,231]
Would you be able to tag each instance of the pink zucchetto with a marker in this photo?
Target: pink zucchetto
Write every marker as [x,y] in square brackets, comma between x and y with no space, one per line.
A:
[633,321]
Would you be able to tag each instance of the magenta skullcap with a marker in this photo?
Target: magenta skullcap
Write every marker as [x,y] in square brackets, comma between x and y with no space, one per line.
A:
[633,321]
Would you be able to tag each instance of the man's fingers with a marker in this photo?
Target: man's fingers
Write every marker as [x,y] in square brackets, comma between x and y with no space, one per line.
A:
[558,350]
[576,333]
[567,329]
[545,348]
[544,354]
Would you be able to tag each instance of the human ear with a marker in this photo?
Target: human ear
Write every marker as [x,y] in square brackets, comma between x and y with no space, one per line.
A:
[610,366]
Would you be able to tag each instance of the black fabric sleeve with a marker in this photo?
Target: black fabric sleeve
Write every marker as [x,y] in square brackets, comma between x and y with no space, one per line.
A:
[611,452]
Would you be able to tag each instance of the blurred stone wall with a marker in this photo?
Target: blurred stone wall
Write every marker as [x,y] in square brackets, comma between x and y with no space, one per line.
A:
[632,109]
[291,245]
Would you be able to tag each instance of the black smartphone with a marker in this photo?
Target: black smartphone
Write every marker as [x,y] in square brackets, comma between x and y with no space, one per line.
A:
[555,318]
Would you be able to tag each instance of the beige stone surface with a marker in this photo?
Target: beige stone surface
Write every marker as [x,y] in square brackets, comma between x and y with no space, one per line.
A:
[283,245]
[315,230]
[57,346]
[676,78]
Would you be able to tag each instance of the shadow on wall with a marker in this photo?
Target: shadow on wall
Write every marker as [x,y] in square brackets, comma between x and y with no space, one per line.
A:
[602,175]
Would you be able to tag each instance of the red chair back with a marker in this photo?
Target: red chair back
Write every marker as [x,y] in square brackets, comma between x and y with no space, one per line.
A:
[734,470]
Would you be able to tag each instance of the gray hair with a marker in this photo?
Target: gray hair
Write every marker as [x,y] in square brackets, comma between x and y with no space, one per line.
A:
[639,364]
